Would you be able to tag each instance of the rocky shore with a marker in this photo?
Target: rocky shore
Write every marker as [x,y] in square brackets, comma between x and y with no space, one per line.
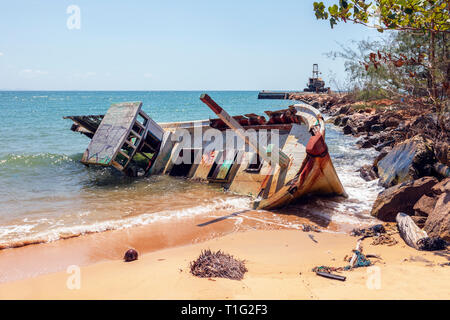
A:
[413,163]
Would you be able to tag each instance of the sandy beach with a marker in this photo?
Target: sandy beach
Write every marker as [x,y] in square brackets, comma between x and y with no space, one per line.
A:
[279,264]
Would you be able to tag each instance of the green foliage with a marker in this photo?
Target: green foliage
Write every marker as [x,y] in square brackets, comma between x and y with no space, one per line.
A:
[412,15]
[387,80]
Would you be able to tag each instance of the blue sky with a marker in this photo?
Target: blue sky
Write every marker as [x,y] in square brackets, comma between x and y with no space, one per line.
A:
[167,45]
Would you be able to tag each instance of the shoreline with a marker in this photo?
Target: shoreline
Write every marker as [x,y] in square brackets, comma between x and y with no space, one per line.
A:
[91,248]
[279,251]
[279,264]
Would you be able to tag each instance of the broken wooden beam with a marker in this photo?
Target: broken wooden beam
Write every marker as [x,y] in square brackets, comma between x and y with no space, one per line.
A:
[283,159]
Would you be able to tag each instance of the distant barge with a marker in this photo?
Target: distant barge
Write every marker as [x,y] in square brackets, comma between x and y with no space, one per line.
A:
[314,85]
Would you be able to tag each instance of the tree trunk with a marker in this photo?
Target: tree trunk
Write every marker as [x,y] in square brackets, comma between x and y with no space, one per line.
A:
[409,231]
[433,64]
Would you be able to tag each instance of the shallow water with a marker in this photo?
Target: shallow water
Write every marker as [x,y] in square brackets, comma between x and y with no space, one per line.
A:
[47,194]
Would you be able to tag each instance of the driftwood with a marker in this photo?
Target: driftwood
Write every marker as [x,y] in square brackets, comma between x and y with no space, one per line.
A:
[409,231]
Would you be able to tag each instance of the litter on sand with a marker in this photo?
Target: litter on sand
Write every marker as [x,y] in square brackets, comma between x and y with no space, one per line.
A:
[218,264]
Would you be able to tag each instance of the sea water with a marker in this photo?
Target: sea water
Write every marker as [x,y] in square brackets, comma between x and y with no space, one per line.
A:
[47,194]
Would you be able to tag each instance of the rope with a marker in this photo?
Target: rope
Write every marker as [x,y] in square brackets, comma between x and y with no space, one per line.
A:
[361,261]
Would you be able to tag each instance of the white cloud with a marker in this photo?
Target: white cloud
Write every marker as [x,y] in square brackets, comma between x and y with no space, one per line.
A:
[1,53]
[148,75]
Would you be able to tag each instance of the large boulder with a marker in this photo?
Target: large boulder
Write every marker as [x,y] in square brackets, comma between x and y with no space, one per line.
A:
[376,128]
[438,222]
[442,187]
[348,130]
[425,206]
[401,198]
[344,109]
[391,122]
[364,143]
[407,161]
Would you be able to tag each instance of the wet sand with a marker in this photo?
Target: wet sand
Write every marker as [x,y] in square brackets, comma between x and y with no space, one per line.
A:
[279,264]
[38,259]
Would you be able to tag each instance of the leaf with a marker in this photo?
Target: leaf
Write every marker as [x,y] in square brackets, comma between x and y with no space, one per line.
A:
[399,63]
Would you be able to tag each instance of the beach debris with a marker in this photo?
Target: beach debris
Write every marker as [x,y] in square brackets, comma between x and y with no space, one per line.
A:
[331,276]
[130,255]
[382,234]
[409,231]
[374,256]
[309,228]
[355,255]
[368,232]
[327,269]
[218,265]
[358,260]
[312,238]
[385,239]
[432,244]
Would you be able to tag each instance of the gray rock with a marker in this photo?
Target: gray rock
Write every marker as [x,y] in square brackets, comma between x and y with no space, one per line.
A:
[407,161]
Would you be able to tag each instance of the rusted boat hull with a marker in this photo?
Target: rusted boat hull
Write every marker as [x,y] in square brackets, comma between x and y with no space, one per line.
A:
[318,176]
[306,166]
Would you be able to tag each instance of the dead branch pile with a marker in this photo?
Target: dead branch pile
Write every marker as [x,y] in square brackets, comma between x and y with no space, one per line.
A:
[218,264]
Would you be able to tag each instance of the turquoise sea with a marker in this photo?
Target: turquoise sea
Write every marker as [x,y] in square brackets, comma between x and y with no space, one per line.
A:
[46,193]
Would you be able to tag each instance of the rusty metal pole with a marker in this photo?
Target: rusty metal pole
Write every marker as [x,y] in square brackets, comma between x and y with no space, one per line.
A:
[283,159]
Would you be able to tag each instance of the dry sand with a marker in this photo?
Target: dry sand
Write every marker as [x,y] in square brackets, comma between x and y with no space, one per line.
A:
[279,264]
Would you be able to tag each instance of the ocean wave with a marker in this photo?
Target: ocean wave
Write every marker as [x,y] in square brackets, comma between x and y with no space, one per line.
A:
[22,235]
[36,160]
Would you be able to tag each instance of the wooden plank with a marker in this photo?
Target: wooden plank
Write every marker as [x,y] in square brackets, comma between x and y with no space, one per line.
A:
[155,129]
[112,133]
[208,159]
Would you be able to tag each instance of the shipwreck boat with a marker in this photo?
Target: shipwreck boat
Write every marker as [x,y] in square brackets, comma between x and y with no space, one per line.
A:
[275,160]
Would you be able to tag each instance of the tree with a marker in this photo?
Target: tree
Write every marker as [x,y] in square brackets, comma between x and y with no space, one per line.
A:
[429,17]
[411,15]
[406,72]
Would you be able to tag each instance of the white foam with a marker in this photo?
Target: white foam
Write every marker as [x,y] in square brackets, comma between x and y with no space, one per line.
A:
[55,233]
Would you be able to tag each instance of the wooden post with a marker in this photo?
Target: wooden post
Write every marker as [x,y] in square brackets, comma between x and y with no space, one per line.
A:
[283,159]
[353,260]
